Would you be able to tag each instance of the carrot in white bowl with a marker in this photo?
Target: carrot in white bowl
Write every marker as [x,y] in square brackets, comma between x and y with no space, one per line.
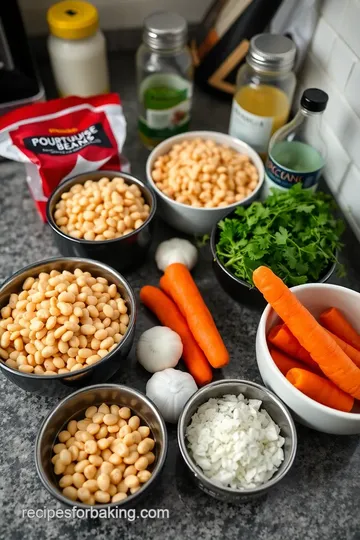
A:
[320,389]
[336,323]
[331,359]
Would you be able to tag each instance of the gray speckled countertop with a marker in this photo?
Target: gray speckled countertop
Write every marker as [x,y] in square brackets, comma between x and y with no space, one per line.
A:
[319,498]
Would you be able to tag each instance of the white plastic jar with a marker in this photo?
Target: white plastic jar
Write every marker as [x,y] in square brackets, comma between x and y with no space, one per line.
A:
[77,49]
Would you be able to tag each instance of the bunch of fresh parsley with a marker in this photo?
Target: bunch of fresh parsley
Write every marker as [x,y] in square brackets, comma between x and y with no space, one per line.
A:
[293,232]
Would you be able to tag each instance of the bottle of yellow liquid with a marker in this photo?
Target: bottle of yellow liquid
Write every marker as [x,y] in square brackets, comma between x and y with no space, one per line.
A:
[265,88]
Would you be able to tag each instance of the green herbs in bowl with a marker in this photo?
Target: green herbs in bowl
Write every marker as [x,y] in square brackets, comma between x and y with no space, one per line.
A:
[294,232]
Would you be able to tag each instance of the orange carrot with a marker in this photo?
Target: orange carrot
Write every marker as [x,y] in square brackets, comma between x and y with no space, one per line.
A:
[282,338]
[188,298]
[320,389]
[165,285]
[352,353]
[331,359]
[335,321]
[169,315]
[284,362]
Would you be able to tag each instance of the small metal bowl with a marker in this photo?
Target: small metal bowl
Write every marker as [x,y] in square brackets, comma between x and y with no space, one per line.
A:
[60,385]
[239,289]
[278,412]
[73,407]
[124,253]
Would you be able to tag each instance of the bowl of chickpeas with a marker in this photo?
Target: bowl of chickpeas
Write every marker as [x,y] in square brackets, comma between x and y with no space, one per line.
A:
[65,323]
[103,215]
[200,176]
[102,446]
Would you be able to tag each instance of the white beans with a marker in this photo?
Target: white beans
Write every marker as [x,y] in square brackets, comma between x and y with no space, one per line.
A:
[204,174]
[101,210]
[123,465]
[61,323]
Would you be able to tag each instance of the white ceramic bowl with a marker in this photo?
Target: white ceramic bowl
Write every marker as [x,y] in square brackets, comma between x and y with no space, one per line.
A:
[183,217]
[316,297]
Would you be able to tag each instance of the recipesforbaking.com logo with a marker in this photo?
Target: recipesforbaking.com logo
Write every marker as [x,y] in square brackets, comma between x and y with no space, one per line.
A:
[129,514]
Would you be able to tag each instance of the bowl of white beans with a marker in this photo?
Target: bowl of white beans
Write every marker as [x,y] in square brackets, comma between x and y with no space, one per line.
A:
[65,323]
[101,446]
[103,215]
[200,176]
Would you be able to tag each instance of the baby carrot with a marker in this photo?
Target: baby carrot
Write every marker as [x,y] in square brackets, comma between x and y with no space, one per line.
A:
[320,389]
[169,315]
[335,321]
[284,362]
[281,337]
[188,298]
[331,359]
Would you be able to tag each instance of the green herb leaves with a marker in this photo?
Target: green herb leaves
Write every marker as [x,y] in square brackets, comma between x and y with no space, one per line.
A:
[293,232]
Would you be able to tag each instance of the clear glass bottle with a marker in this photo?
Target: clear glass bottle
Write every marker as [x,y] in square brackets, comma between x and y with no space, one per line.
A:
[164,76]
[265,89]
[291,159]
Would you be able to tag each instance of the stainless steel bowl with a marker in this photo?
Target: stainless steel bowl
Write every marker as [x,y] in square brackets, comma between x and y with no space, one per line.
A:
[123,253]
[278,412]
[73,407]
[96,373]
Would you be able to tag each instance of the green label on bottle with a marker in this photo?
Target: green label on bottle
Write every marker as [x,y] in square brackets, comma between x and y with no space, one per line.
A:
[161,97]
[166,103]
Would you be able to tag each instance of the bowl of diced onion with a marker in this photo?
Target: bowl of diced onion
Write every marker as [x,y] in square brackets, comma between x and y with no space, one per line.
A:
[237,439]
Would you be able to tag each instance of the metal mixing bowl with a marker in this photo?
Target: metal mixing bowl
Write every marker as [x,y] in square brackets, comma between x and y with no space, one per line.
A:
[123,253]
[278,412]
[73,407]
[52,385]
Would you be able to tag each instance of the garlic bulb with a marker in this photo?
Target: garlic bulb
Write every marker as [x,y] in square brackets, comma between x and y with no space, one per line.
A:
[159,348]
[176,250]
[170,389]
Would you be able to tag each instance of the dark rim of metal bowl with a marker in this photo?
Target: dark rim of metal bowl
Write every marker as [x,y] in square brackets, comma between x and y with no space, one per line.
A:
[110,354]
[213,243]
[61,188]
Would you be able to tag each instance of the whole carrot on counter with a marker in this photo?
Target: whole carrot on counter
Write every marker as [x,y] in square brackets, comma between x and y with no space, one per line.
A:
[281,337]
[320,389]
[335,321]
[331,359]
[284,362]
[169,315]
[187,297]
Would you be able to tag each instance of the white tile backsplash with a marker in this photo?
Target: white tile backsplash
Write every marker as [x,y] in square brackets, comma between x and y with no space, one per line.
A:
[349,26]
[340,63]
[322,42]
[333,11]
[349,196]
[333,64]
[352,89]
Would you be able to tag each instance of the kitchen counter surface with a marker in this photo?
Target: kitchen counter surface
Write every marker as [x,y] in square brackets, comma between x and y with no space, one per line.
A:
[319,498]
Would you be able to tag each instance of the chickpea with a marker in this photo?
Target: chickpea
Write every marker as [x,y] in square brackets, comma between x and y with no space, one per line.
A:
[103,482]
[144,476]
[144,431]
[102,497]
[134,421]
[70,492]
[146,445]
[118,497]
[91,485]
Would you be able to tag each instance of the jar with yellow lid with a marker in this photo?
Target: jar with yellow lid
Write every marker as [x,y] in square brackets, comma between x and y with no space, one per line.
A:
[77,49]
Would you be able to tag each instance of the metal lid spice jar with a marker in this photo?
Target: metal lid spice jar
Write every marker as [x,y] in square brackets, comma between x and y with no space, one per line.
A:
[164,73]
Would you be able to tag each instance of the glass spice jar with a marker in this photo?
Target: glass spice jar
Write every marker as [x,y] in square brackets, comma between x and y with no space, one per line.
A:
[265,89]
[164,76]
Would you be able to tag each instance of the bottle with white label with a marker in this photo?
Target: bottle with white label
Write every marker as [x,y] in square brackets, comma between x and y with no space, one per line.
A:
[265,88]
[297,151]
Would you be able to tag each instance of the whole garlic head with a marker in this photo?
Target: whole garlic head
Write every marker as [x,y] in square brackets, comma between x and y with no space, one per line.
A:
[159,348]
[176,250]
[170,389]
